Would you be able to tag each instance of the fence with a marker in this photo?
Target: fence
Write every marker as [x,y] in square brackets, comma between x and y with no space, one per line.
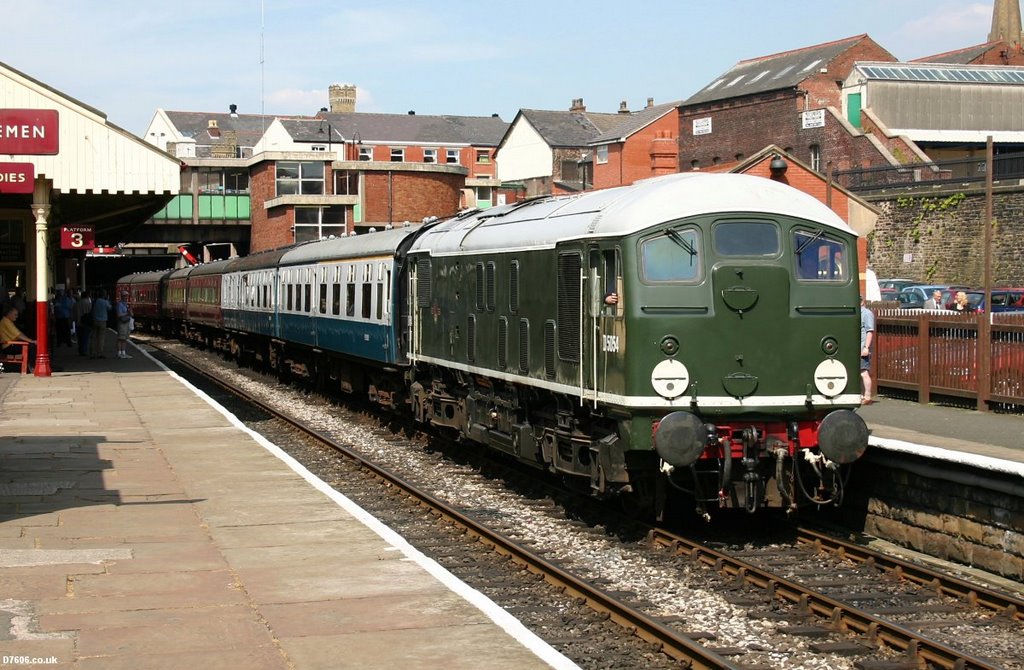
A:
[941,354]
[934,173]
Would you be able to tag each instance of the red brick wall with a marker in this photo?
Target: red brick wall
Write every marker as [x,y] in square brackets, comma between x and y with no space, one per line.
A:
[745,125]
[412,196]
[631,160]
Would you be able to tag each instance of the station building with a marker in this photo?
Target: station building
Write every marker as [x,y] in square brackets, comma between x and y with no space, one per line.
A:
[71,182]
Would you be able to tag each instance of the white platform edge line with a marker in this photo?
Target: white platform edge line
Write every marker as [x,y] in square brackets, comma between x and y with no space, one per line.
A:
[977,460]
[499,616]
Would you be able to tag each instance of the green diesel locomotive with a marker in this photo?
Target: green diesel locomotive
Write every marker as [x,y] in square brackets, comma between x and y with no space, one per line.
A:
[693,332]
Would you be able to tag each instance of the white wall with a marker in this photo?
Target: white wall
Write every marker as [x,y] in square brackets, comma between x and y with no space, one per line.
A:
[524,154]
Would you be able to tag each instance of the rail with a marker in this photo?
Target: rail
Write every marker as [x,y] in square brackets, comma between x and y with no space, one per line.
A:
[942,354]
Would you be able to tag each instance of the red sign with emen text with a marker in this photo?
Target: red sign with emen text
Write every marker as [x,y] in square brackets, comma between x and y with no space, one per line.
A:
[77,237]
[17,177]
[31,132]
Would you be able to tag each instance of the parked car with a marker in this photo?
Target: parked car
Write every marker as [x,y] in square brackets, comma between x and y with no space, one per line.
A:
[896,284]
[1003,299]
[913,297]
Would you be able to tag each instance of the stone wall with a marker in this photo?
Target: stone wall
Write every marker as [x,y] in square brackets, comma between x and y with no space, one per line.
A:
[943,509]
[937,236]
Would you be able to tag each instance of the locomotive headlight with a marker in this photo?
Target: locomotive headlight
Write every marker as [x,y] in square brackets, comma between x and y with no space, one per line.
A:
[830,377]
[669,345]
[829,345]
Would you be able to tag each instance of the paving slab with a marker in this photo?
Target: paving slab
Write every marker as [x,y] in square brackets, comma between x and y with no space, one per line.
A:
[131,539]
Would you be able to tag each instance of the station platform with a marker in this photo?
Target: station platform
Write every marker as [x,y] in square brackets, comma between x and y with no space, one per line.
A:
[143,527]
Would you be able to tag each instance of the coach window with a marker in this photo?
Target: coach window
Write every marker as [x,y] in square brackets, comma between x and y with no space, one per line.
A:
[336,300]
[289,303]
[819,257]
[323,298]
[367,300]
[307,297]
[746,238]
[671,256]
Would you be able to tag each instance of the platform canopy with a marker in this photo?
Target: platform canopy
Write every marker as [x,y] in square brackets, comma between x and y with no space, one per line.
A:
[98,174]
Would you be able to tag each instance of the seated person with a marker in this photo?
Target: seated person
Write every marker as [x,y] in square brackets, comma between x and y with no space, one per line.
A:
[9,333]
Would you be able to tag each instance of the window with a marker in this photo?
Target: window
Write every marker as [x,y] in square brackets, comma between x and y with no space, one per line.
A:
[346,182]
[483,196]
[819,257]
[746,238]
[815,157]
[367,297]
[221,180]
[397,154]
[315,223]
[336,300]
[483,156]
[451,156]
[300,178]
[602,153]
[350,300]
[365,153]
[672,256]
[429,155]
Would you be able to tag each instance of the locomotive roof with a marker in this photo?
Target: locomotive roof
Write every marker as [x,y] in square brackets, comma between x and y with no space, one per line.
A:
[621,211]
[381,242]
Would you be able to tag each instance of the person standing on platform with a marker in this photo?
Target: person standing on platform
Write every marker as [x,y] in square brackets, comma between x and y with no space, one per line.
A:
[934,302]
[123,311]
[867,339]
[62,311]
[83,322]
[10,333]
[100,315]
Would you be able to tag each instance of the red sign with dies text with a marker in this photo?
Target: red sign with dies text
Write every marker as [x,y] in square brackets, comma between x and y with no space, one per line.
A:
[77,237]
[31,132]
[17,177]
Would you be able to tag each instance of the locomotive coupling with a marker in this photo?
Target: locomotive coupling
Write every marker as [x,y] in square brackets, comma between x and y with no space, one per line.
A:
[843,436]
[680,439]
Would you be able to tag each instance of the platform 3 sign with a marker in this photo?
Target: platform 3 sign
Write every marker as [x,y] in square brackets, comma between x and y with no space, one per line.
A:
[17,177]
[77,237]
[30,132]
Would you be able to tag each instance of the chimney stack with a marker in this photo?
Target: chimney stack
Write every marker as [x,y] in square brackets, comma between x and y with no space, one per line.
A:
[650,103]
[342,98]
[623,108]
[234,111]
[577,105]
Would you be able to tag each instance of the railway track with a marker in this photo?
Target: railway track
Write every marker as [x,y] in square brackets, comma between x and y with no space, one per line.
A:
[878,643]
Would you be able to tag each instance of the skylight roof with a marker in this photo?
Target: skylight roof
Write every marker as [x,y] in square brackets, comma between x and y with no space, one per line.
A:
[931,72]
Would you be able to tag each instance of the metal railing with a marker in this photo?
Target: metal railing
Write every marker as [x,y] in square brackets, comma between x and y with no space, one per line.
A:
[941,354]
[959,170]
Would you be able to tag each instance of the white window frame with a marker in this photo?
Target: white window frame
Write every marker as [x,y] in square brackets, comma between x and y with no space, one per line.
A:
[397,154]
[452,156]
[429,155]
[365,153]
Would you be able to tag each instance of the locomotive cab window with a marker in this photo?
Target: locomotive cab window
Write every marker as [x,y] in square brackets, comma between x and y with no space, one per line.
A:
[819,257]
[671,256]
[746,238]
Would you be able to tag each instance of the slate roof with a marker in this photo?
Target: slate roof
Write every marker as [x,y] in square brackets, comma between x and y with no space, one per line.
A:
[411,128]
[247,128]
[570,129]
[771,73]
[964,56]
[634,122]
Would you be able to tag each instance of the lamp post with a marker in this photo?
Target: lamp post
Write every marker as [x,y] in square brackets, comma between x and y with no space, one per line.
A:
[330,131]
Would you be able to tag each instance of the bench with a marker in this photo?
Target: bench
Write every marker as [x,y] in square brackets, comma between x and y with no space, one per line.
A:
[17,359]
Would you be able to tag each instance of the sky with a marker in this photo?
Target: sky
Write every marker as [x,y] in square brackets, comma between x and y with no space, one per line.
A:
[472,58]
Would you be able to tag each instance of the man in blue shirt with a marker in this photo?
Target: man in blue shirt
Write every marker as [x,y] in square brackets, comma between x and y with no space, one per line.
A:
[867,339]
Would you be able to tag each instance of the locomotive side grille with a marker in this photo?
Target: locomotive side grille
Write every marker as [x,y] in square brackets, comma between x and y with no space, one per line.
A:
[471,339]
[524,345]
[549,349]
[503,343]
[569,306]
[423,289]
[491,299]
[480,286]
[513,286]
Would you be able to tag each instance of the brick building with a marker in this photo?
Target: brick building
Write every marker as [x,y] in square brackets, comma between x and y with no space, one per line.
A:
[549,152]
[790,99]
[344,173]
[643,145]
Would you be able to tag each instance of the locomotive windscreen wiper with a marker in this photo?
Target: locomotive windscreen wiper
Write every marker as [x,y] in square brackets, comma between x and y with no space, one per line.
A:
[817,235]
[678,239]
